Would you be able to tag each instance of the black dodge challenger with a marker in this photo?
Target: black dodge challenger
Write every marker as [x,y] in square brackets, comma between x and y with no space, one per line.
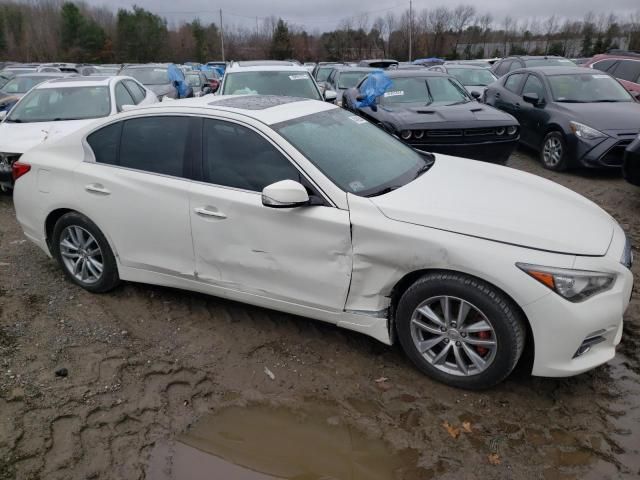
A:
[433,112]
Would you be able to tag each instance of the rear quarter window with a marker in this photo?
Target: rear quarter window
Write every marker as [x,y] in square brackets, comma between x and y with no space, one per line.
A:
[104,143]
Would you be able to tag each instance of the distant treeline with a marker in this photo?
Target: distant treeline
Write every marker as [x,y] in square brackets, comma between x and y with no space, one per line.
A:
[48,30]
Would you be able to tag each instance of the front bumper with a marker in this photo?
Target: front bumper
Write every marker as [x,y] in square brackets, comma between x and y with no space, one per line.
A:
[6,180]
[494,151]
[560,327]
[631,165]
[600,153]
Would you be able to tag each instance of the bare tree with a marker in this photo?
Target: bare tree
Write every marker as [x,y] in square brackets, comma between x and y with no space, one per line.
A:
[460,19]
[439,21]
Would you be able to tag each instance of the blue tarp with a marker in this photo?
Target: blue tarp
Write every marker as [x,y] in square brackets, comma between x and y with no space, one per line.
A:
[419,61]
[374,86]
[219,70]
[176,76]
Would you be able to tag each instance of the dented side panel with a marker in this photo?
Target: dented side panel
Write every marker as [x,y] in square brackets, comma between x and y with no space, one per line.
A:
[385,250]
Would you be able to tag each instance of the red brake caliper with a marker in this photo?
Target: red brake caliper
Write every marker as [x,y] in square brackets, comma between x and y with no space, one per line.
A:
[484,336]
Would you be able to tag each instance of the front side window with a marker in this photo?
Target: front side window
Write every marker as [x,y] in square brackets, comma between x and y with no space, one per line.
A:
[512,83]
[587,87]
[628,70]
[136,90]
[549,62]
[604,65]
[350,79]
[503,67]
[323,74]
[516,64]
[123,97]
[65,103]
[473,77]
[360,158]
[235,156]
[289,84]
[533,85]
[147,75]
[425,90]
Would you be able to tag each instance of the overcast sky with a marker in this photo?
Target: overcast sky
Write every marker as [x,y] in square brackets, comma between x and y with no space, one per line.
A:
[326,14]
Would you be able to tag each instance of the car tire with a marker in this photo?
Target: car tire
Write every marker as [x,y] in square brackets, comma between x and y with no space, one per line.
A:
[553,153]
[476,354]
[84,253]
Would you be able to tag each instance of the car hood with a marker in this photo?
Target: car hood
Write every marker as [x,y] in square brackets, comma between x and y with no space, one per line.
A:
[620,116]
[500,204]
[20,137]
[416,115]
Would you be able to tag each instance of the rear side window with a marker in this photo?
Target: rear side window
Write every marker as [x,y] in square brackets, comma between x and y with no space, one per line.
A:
[136,90]
[604,65]
[155,144]
[516,64]
[503,67]
[123,97]
[105,142]
[238,157]
[627,70]
[513,82]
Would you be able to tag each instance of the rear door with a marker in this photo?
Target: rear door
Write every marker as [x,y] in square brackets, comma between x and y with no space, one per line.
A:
[628,72]
[508,97]
[135,187]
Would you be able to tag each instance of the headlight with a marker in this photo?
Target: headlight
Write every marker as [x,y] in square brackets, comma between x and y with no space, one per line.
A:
[574,285]
[512,130]
[585,132]
[405,134]
[418,134]
[500,131]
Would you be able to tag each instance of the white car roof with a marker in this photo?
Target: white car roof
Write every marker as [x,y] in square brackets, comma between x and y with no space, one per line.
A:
[267,68]
[76,81]
[267,109]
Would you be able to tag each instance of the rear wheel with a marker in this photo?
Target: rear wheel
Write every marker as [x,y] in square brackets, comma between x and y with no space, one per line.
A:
[460,330]
[84,253]
[554,152]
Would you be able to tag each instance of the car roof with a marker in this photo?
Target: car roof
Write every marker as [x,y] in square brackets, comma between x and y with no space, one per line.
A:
[264,63]
[559,70]
[413,73]
[147,65]
[532,57]
[347,68]
[268,109]
[286,67]
[77,81]
[463,65]
[44,74]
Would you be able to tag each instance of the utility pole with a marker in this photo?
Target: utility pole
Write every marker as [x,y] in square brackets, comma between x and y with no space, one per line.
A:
[410,27]
[221,35]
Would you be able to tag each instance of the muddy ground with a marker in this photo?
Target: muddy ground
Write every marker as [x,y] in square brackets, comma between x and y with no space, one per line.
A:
[145,362]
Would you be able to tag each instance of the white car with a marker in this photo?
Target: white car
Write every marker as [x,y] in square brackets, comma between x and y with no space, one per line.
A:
[60,106]
[271,77]
[302,207]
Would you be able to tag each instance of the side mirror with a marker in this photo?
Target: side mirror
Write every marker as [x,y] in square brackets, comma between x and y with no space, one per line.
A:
[636,95]
[207,90]
[330,95]
[3,114]
[531,98]
[285,194]
[476,94]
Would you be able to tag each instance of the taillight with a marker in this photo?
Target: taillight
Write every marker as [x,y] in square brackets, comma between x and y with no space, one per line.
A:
[18,169]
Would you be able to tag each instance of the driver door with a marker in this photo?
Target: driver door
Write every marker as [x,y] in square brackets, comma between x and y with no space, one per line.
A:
[533,118]
[297,255]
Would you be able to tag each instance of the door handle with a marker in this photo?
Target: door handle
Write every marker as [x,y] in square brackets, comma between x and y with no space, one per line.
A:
[517,106]
[97,188]
[207,212]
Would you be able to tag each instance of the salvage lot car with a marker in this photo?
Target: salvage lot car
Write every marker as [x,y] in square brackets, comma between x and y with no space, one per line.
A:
[432,111]
[15,88]
[236,197]
[631,165]
[572,116]
[60,106]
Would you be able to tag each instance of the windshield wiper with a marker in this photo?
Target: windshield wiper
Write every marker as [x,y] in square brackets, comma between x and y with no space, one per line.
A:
[423,169]
[608,100]
[568,100]
[430,101]
[457,103]
[17,120]
[383,191]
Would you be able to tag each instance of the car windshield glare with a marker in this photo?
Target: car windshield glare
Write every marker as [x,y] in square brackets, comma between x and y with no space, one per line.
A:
[425,90]
[323,73]
[473,77]
[350,79]
[549,62]
[148,75]
[23,84]
[58,104]
[290,84]
[587,88]
[357,156]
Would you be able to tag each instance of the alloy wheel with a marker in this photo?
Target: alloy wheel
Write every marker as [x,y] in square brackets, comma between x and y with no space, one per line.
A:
[453,335]
[81,254]
[552,151]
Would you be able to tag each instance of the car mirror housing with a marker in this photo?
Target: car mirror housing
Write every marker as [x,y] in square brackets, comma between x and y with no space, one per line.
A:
[285,194]
[532,98]
[476,94]
[126,108]
[330,95]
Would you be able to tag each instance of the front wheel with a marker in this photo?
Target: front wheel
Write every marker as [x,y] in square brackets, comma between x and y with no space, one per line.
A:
[554,152]
[460,330]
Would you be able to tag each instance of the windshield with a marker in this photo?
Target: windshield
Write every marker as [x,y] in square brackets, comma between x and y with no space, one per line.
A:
[549,62]
[425,90]
[472,77]
[106,70]
[4,78]
[291,84]
[148,75]
[350,79]
[323,73]
[359,157]
[193,80]
[587,88]
[68,103]
[23,84]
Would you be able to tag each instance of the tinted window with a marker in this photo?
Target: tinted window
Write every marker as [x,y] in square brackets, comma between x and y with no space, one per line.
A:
[104,143]
[237,157]
[604,65]
[425,90]
[516,64]
[628,70]
[533,85]
[503,67]
[148,75]
[513,82]
[549,62]
[155,144]
[587,87]
[123,97]
[291,84]
[135,90]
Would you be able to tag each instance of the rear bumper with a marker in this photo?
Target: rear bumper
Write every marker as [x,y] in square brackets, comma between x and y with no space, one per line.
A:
[498,152]
[631,165]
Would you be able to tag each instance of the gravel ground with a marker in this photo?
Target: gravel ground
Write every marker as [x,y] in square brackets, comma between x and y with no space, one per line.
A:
[143,363]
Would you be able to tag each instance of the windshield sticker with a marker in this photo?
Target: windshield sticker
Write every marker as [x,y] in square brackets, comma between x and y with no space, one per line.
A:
[397,93]
[356,186]
[600,76]
[357,119]
[565,61]
[298,77]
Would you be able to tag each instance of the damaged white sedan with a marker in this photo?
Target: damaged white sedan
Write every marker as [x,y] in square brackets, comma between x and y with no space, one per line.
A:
[302,207]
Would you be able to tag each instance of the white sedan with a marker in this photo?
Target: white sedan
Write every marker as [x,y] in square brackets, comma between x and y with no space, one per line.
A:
[299,206]
[60,106]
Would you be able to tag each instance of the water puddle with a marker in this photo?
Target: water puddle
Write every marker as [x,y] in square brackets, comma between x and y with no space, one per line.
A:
[263,443]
